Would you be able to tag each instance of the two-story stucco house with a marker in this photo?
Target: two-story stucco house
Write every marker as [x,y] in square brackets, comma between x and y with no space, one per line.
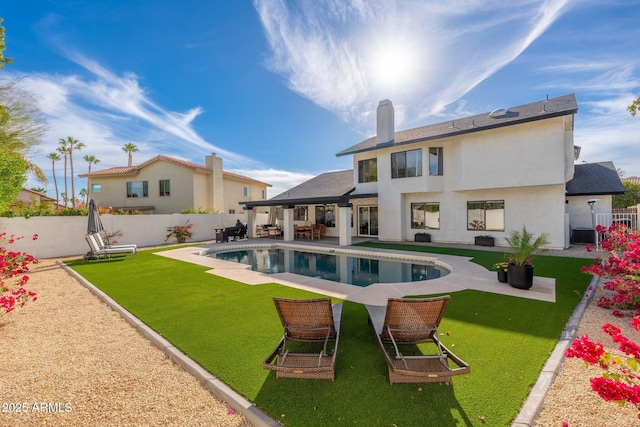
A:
[482,175]
[164,185]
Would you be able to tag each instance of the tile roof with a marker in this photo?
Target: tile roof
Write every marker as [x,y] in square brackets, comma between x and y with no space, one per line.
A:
[632,179]
[553,107]
[594,179]
[134,170]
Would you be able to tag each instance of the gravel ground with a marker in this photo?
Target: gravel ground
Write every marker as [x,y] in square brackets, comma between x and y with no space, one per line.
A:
[570,398]
[69,360]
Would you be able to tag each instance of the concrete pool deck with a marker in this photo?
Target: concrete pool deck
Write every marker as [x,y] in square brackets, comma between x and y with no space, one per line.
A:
[464,273]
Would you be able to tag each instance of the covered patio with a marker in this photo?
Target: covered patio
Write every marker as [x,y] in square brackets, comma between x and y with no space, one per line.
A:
[332,195]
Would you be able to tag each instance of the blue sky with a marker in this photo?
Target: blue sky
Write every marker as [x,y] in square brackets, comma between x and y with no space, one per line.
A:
[277,88]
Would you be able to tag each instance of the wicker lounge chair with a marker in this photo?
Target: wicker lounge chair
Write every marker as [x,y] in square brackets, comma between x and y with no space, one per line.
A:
[409,322]
[306,321]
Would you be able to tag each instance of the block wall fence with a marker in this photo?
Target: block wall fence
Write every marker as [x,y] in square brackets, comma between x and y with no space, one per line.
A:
[60,236]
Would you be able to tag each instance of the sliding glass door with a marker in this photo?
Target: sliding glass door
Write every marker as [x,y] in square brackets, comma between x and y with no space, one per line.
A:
[367,220]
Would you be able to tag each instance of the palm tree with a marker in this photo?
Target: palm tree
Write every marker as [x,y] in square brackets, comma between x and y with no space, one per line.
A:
[83,195]
[64,150]
[72,144]
[92,160]
[129,148]
[54,158]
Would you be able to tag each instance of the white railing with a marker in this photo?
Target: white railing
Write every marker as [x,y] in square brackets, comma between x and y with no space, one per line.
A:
[629,219]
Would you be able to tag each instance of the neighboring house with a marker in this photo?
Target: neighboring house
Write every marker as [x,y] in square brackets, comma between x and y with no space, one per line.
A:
[167,185]
[30,197]
[482,175]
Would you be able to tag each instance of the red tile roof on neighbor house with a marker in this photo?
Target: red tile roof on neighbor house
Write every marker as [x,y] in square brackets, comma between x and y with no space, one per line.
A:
[134,170]
[632,179]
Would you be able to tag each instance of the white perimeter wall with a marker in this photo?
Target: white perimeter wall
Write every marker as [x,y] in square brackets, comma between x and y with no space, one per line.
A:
[64,236]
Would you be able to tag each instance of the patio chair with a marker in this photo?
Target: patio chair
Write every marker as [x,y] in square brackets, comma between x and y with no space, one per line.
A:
[96,252]
[405,323]
[101,244]
[299,232]
[312,321]
[320,231]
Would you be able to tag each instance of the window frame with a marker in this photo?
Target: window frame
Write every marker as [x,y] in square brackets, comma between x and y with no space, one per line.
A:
[301,213]
[164,187]
[436,168]
[322,211]
[400,162]
[130,190]
[368,170]
[425,206]
[479,222]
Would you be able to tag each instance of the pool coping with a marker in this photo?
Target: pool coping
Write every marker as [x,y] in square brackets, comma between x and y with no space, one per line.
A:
[464,274]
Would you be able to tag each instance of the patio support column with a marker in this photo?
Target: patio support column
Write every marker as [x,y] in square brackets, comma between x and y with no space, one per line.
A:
[344,224]
[287,228]
[250,218]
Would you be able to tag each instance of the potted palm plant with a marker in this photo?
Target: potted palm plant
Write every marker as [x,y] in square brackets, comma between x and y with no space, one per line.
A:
[523,244]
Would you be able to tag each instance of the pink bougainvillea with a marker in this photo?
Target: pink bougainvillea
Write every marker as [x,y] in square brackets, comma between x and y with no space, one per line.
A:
[13,278]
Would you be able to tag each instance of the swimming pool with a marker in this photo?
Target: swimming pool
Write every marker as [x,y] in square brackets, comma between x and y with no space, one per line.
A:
[348,268]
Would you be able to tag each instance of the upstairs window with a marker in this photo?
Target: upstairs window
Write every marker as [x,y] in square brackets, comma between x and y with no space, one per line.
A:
[435,161]
[96,188]
[368,170]
[138,189]
[247,191]
[165,187]
[406,164]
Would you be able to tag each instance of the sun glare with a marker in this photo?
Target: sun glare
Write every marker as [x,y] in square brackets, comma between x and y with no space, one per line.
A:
[393,67]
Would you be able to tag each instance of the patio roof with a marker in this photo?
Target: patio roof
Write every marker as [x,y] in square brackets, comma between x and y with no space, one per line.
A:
[595,179]
[329,187]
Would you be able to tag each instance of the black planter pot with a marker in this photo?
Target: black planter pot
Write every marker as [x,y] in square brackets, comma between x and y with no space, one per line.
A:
[502,276]
[520,277]
[484,241]
[423,237]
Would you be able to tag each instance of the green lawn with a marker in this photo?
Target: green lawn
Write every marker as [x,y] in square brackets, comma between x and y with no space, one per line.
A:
[229,328]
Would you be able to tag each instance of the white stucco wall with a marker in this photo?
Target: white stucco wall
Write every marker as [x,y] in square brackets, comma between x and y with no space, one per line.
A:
[61,236]
[526,165]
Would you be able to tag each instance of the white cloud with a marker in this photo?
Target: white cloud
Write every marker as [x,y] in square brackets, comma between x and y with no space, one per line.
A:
[280,180]
[443,50]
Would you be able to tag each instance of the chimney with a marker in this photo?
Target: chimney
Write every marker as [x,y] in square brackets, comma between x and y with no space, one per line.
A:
[386,127]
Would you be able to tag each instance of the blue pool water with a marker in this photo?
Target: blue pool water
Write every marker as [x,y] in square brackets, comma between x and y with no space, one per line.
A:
[344,268]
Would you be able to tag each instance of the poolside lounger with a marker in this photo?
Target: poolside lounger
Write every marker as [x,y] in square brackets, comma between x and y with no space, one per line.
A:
[101,244]
[306,321]
[409,322]
[106,252]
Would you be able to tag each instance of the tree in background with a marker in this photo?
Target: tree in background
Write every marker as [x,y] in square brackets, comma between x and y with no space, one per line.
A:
[634,107]
[13,169]
[64,150]
[54,158]
[631,196]
[92,160]
[72,144]
[21,128]
[3,60]
[129,148]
